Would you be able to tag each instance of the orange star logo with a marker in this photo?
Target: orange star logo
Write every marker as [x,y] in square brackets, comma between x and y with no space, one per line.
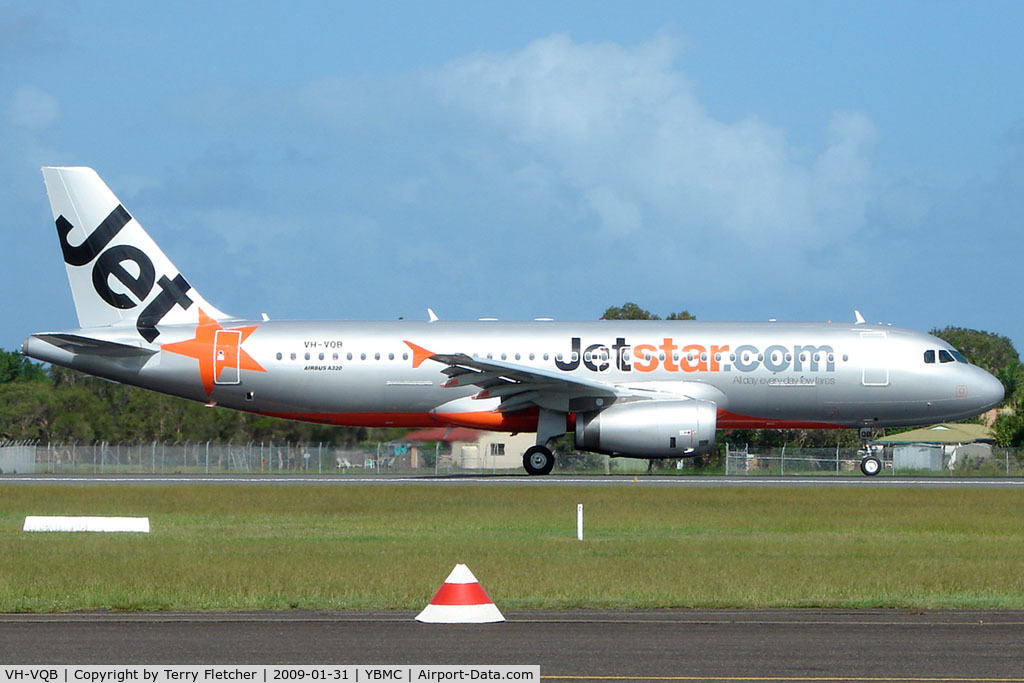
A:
[217,350]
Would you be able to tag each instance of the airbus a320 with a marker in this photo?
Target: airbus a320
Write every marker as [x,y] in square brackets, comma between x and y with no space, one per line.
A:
[645,389]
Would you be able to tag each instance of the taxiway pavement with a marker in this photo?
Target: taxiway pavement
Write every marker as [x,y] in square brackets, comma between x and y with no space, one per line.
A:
[714,645]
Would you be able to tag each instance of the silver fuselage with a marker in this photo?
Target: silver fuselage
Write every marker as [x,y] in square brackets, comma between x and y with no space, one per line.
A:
[759,375]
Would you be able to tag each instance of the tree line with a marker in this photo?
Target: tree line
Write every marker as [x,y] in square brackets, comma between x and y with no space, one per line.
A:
[55,404]
[60,405]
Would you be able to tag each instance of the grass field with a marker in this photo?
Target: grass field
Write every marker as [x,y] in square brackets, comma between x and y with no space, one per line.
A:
[382,547]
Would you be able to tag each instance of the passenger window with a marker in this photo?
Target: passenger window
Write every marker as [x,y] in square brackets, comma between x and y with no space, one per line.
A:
[945,356]
[929,356]
[293,356]
[279,356]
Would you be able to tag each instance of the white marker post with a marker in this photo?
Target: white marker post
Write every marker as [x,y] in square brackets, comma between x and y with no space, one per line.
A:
[579,521]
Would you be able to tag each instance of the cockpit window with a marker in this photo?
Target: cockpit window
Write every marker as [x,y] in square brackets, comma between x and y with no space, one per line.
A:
[929,356]
[959,356]
[945,356]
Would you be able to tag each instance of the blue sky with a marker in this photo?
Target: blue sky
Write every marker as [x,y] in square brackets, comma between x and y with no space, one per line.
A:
[743,160]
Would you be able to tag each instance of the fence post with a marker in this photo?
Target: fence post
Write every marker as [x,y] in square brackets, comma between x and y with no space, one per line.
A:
[727,458]
[783,459]
[207,456]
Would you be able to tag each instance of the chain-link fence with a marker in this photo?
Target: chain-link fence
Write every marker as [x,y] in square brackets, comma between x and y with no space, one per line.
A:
[253,457]
[911,459]
[211,457]
[206,457]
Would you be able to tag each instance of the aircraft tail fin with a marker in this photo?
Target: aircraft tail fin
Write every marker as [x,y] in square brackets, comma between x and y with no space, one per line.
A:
[118,275]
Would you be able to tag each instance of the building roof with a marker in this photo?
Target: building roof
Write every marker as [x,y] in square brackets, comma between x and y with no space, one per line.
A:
[941,433]
[461,434]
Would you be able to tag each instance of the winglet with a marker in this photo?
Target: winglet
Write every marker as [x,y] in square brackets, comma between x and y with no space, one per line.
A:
[419,354]
[432,316]
[860,318]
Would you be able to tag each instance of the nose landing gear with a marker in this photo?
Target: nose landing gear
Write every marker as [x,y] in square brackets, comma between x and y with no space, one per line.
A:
[869,464]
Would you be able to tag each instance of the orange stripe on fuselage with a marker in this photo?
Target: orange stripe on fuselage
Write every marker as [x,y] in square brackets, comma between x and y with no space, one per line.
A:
[525,421]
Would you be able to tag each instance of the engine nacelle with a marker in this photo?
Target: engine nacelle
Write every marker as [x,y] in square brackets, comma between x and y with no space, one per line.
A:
[649,429]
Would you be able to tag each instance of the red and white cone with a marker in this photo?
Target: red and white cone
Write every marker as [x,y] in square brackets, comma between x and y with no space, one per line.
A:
[460,600]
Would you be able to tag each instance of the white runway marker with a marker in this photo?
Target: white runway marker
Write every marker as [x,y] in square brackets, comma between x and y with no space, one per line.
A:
[138,525]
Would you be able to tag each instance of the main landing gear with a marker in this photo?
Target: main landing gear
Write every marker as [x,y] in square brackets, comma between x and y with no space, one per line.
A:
[869,464]
[538,460]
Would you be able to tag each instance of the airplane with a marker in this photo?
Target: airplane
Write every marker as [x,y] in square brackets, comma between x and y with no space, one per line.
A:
[644,389]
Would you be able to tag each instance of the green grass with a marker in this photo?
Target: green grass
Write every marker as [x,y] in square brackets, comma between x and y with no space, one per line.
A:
[389,547]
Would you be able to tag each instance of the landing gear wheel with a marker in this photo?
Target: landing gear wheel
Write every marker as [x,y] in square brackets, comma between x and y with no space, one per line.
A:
[538,460]
[870,466]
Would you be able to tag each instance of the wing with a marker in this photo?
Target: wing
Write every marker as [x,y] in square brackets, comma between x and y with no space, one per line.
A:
[518,386]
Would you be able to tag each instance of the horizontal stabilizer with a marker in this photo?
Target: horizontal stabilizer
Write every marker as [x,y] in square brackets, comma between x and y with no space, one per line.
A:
[75,343]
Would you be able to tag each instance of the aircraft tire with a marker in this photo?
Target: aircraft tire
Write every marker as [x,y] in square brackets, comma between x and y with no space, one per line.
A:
[538,460]
[870,466]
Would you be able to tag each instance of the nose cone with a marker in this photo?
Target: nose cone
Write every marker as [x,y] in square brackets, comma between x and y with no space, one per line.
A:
[987,390]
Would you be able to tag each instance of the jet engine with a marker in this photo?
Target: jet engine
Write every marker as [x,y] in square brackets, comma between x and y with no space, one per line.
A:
[649,429]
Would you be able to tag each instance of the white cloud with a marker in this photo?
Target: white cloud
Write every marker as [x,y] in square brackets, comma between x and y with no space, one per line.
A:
[625,129]
[31,107]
